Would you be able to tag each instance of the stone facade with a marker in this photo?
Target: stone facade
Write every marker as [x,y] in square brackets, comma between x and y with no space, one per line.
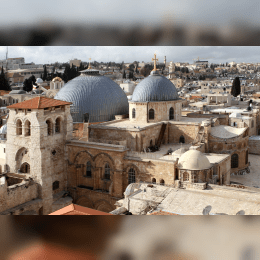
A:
[161,111]
[37,149]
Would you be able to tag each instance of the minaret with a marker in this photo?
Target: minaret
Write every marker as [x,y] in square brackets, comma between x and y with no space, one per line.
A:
[165,61]
[89,66]
[6,58]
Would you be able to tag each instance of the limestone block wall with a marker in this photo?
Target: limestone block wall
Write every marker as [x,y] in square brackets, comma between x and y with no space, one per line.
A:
[238,145]
[18,194]
[188,130]
[78,158]
[147,170]
[43,152]
[135,140]
[161,110]
[254,145]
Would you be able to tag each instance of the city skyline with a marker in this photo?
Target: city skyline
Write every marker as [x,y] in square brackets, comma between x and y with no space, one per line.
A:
[52,54]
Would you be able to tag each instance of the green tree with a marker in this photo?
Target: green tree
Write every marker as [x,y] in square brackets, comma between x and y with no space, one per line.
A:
[4,84]
[28,84]
[45,74]
[236,88]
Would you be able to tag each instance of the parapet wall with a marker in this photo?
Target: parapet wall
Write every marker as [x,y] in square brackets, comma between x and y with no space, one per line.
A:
[17,194]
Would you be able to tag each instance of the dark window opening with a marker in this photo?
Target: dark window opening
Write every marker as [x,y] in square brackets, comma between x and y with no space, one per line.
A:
[234,161]
[131,176]
[55,185]
[171,114]
[107,172]
[182,139]
[88,170]
[133,113]
[151,114]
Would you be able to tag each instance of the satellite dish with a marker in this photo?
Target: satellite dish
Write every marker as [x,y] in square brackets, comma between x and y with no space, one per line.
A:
[241,212]
[206,210]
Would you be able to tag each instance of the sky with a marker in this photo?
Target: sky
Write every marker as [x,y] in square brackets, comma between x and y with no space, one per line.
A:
[51,54]
[122,12]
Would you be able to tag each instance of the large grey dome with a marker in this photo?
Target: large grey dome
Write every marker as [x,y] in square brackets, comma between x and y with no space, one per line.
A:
[155,88]
[95,98]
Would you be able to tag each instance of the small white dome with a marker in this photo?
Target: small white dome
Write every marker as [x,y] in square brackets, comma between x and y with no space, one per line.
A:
[39,80]
[194,160]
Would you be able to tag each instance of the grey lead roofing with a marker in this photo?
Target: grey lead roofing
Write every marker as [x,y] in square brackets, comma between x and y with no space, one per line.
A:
[96,95]
[155,88]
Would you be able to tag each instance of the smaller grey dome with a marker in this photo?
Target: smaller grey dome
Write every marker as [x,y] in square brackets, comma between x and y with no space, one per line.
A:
[155,88]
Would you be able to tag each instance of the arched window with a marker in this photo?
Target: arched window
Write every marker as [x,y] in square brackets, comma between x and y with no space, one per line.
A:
[185,176]
[133,113]
[55,185]
[151,114]
[57,125]
[252,123]
[247,157]
[49,127]
[161,182]
[234,161]
[182,139]
[88,170]
[19,129]
[171,114]
[154,180]
[107,172]
[131,176]
[25,168]
[27,126]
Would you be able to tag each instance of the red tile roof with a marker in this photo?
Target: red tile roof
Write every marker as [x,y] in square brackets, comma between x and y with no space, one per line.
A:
[39,103]
[161,212]
[78,210]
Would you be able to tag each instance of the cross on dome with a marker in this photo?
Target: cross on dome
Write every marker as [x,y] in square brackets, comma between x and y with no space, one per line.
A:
[154,60]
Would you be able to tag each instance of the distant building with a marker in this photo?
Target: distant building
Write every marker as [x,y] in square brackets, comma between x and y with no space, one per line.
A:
[75,62]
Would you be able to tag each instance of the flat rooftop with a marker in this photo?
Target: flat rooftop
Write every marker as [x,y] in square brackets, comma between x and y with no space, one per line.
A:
[161,155]
[132,125]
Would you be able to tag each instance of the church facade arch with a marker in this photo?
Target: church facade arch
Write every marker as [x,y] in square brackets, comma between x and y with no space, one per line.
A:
[85,202]
[103,205]
[83,157]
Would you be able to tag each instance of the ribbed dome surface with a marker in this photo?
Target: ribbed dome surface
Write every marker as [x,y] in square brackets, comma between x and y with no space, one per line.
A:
[96,95]
[194,160]
[155,88]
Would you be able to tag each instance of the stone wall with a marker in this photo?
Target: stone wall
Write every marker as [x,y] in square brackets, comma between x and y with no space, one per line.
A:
[237,145]
[14,195]
[161,110]
[254,145]
[188,130]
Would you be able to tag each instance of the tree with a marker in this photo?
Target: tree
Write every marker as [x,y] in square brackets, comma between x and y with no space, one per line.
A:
[27,85]
[236,88]
[45,74]
[124,75]
[145,71]
[4,84]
